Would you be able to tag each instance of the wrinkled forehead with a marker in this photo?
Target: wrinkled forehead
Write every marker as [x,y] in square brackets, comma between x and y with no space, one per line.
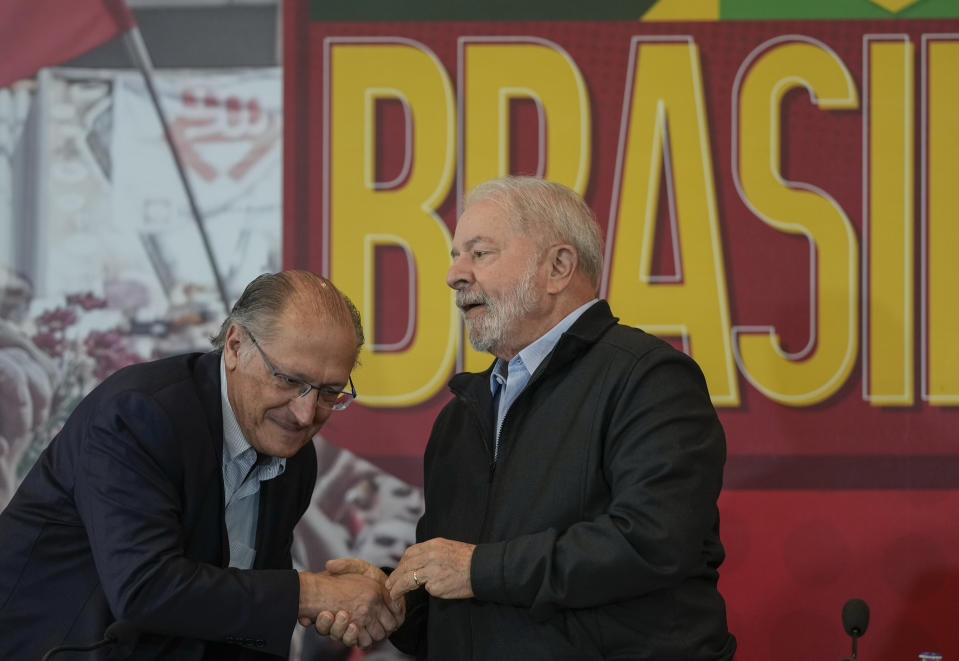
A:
[303,326]
[487,218]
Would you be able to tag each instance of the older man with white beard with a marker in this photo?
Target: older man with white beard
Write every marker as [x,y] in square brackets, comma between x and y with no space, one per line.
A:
[571,487]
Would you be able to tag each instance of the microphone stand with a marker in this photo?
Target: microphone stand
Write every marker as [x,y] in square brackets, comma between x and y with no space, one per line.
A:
[855,643]
[120,634]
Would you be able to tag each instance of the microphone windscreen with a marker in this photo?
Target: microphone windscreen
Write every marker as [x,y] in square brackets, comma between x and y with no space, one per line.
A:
[124,637]
[855,617]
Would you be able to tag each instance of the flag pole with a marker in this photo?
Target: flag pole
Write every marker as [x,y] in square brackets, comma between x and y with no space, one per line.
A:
[141,57]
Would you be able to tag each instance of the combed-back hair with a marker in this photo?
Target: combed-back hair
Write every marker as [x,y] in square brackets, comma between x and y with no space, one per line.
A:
[549,212]
[267,296]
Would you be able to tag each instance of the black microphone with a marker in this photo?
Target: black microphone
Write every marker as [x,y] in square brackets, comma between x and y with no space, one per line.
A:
[121,634]
[855,619]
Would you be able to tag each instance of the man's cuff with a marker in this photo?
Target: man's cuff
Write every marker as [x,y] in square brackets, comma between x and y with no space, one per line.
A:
[486,572]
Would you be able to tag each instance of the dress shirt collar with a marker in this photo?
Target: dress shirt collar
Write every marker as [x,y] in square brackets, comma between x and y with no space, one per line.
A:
[535,353]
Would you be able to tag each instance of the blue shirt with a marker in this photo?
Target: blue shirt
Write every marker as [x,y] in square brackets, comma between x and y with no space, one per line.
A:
[241,483]
[512,377]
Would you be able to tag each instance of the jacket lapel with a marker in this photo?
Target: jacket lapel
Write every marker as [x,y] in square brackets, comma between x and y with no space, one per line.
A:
[207,378]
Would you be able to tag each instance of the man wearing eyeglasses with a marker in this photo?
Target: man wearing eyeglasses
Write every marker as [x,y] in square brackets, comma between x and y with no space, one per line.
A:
[169,498]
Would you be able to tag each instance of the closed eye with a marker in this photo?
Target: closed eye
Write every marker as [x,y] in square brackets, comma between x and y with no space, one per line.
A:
[329,394]
[289,381]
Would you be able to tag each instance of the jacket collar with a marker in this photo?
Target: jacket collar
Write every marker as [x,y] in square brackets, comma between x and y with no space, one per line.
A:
[206,375]
[586,331]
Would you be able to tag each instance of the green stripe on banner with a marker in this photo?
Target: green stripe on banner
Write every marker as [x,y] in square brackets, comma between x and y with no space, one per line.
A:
[837,9]
[471,10]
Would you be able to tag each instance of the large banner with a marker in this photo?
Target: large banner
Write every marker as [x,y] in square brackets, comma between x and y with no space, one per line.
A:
[779,200]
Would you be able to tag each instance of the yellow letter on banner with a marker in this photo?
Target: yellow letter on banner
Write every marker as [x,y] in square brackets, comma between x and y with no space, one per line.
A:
[940,226]
[495,72]
[664,124]
[821,368]
[364,214]
[888,334]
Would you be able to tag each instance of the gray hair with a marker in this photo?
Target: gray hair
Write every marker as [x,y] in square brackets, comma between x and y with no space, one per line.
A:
[265,298]
[549,212]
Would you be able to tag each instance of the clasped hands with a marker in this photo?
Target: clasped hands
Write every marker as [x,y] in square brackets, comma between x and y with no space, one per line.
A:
[376,606]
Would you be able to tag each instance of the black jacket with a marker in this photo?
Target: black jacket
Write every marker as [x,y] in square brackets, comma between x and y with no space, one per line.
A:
[597,526]
[122,518]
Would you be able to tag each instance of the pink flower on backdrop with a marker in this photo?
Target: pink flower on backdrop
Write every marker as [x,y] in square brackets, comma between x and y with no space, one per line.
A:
[109,350]
[51,344]
[57,319]
[87,300]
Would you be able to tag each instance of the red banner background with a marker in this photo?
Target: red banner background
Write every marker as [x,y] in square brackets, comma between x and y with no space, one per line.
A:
[823,502]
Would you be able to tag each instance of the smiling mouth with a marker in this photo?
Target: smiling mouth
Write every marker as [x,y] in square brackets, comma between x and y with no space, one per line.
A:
[291,429]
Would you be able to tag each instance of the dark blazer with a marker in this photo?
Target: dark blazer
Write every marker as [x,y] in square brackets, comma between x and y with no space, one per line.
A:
[122,518]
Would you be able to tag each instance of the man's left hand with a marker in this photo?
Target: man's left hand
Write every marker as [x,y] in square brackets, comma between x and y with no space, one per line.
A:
[442,566]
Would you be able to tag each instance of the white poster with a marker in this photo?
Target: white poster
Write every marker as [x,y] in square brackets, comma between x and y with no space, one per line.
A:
[228,130]
[104,264]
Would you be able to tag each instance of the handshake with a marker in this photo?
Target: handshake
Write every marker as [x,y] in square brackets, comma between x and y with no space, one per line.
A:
[358,604]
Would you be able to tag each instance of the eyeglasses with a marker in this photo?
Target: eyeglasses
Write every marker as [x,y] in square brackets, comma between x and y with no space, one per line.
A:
[327,396]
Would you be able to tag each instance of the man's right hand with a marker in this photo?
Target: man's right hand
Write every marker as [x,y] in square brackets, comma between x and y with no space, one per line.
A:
[365,612]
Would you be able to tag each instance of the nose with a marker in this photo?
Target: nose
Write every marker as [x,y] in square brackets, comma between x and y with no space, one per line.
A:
[305,409]
[459,276]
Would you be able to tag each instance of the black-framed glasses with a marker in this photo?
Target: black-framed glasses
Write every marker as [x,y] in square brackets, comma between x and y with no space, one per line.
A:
[328,397]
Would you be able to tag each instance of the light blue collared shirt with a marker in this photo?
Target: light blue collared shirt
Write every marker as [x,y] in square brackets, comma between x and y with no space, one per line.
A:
[514,376]
[241,483]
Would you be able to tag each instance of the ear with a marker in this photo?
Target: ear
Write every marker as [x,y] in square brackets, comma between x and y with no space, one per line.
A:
[231,347]
[563,260]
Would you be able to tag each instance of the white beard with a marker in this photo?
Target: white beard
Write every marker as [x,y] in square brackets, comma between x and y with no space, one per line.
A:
[492,329]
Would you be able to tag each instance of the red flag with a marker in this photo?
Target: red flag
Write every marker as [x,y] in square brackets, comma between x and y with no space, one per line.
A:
[40,33]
